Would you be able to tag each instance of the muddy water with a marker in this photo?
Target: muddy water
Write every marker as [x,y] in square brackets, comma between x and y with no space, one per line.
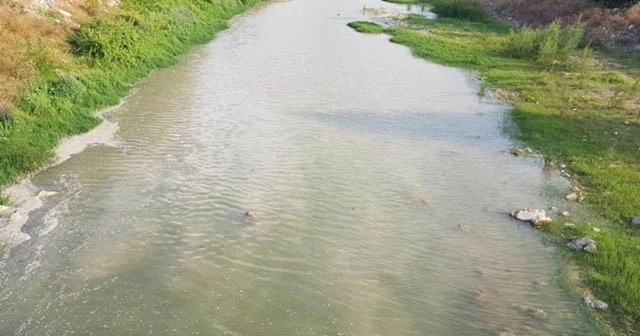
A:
[377,182]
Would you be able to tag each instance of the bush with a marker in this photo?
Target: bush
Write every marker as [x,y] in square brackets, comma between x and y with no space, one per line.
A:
[546,45]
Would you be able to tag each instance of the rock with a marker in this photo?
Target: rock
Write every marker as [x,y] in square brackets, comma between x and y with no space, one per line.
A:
[47,194]
[595,229]
[579,244]
[569,225]
[591,248]
[536,312]
[554,208]
[566,214]
[248,214]
[463,228]
[572,197]
[535,217]
[635,220]
[627,122]
[542,221]
[563,166]
[595,304]
[527,215]
[539,314]
[522,151]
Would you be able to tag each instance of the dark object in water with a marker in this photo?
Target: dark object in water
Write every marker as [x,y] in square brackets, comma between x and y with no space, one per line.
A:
[248,214]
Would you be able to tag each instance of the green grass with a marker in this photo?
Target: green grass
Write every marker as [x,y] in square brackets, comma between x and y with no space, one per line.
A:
[574,110]
[110,54]
[366,27]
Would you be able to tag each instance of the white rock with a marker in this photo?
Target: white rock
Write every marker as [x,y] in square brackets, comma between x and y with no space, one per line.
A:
[541,221]
[47,194]
[635,220]
[566,214]
[528,215]
[572,197]
[595,229]
[591,248]
[570,225]
[595,304]
[4,209]
[563,166]
[535,217]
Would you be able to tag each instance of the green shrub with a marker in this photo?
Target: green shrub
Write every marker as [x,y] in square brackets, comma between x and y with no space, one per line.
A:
[548,45]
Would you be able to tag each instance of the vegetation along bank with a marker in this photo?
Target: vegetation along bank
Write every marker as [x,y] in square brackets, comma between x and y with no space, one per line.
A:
[60,61]
[580,108]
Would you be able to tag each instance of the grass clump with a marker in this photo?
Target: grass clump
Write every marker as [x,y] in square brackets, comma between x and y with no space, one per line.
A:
[5,112]
[574,108]
[548,45]
[366,27]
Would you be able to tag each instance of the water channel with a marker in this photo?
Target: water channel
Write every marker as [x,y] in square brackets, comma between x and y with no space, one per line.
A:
[378,186]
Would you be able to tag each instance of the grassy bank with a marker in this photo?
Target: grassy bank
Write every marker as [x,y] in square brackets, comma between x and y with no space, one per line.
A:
[101,60]
[573,107]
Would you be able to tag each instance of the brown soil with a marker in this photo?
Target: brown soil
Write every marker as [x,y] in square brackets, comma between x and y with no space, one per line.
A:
[609,27]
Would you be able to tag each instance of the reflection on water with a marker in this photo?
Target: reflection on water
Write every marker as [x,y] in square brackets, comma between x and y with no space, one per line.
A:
[377,182]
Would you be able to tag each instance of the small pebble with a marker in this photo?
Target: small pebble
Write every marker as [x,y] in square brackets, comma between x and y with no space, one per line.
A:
[566,214]
[595,229]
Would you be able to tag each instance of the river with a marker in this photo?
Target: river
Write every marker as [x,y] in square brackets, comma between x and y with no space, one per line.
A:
[378,187]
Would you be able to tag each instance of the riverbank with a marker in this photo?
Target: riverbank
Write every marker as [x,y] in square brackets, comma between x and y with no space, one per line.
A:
[87,58]
[579,108]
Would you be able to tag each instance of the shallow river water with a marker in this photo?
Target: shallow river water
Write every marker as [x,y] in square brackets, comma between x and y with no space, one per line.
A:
[378,185]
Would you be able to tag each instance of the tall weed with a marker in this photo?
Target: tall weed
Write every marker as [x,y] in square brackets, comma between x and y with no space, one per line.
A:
[550,45]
